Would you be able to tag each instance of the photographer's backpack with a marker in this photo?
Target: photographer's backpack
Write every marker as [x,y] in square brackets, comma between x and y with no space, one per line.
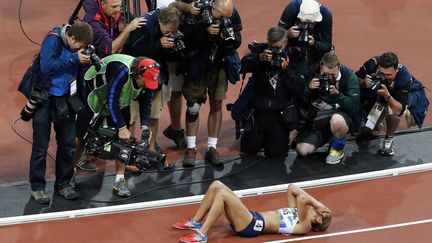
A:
[418,102]
[32,75]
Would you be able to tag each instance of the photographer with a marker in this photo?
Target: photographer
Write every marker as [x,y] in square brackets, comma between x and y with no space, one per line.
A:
[61,55]
[334,95]
[160,40]
[204,68]
[278,78]
[309,25]
[392,93]
[120,81]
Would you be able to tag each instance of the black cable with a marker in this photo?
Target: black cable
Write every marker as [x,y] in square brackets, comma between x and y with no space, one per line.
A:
[21,136]
[173,185]
[20,24]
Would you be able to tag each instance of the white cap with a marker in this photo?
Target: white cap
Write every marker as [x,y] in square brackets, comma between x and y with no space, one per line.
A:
[310,11]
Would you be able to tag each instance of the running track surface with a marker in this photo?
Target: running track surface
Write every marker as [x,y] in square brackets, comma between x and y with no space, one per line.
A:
[368,206]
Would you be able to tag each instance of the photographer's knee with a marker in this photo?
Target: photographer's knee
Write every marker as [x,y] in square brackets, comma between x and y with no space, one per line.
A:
[192,112]
[304,149]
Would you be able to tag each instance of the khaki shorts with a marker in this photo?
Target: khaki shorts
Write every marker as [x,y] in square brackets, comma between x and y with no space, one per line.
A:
[213,82]
[410,122]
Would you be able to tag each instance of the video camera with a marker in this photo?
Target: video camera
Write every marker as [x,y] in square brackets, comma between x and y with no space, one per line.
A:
[38,95]
[377,79]
[105,144]
[303,38]
[95,60]
[205,10]
[225,28]
[325,80]
[178,36]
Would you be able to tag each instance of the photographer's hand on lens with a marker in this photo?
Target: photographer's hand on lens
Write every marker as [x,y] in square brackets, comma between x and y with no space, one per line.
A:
[367,81]
[167,42]
[293,32]
[135,24]
[124,134]
[383,91]
[311,40]
[314,83]
[266,55]
[213,29]
[83,58]
[193,10]
[333,90]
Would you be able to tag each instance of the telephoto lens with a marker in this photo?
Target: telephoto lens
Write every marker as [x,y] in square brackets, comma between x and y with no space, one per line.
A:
[28,110]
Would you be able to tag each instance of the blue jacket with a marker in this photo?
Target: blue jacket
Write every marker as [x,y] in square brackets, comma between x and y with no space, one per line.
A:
[58,63]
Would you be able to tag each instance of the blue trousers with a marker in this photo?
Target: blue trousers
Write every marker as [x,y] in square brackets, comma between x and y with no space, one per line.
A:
[65,136]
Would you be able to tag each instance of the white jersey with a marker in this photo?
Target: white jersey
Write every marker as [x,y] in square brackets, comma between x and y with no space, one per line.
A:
[288,219]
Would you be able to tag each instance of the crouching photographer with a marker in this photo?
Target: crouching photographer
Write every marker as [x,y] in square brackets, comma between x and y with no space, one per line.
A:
[121,80]
[277,77]
[334,96]
[390,91]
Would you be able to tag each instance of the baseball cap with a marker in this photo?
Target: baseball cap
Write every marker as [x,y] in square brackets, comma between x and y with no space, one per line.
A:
[310,11]
[149,70]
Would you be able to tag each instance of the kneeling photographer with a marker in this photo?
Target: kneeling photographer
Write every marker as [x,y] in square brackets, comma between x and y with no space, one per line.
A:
[121,80]
[390,91]
[277,77]
[334,96]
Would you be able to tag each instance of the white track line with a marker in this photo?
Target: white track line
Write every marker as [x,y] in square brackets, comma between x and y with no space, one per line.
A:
[426,221]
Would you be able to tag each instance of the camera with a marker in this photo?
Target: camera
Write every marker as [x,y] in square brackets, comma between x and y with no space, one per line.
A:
[177,36]
[303,38]
[95,60]
[105,144]
[38,95]
[325,80]
[277,58]
[377,79]
[225,28]
[205,10]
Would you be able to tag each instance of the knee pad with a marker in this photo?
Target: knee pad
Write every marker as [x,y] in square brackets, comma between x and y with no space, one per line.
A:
[192,112]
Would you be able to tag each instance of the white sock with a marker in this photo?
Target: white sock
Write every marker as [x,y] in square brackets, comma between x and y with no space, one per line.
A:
[118,177]
[191,141]
[212,142]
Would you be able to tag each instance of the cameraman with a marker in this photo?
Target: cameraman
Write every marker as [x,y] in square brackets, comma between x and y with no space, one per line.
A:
[204,68]
[160,40]
[318,22]
[122,80]
[392,93]
[60,57]
[334,95]
[279,78]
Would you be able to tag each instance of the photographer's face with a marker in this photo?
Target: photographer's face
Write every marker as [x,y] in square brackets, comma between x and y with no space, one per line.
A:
[75,45]
[280,44]
[111,7]
[169,28]
[331,71]
[221,13]
[390,73]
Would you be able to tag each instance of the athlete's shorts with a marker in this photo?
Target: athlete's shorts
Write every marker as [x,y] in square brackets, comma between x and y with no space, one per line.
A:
[254,228]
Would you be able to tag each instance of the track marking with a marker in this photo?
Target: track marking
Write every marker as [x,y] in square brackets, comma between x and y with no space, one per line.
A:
[354,231]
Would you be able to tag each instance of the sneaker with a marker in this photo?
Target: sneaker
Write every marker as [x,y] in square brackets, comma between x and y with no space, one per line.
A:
[335,156]
[188,224]
[178,136]
[85,164]
[387,148]
[40,196]
[121,188]
[189,157]
[196,237]
[213,156]
[68,193]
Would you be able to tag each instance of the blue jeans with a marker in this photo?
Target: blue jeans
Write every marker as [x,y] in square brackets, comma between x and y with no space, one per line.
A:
[65,136]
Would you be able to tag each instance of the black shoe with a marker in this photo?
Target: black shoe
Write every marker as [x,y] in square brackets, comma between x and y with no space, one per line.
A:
[178,136]
[68,193]
[213,156]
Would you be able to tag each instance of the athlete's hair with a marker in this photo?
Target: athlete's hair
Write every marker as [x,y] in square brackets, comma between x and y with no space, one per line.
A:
[326,220]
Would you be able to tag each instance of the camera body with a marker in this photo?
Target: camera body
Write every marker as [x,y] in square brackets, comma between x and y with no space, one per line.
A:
[178,36]
[303,38]
[205,10]
[325,80]
[105,144]
[95,60]
[225,28]
[38,95]
[377,79]
[277,58]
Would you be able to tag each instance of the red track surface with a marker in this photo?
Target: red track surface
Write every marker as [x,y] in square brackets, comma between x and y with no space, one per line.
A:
[354,206]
